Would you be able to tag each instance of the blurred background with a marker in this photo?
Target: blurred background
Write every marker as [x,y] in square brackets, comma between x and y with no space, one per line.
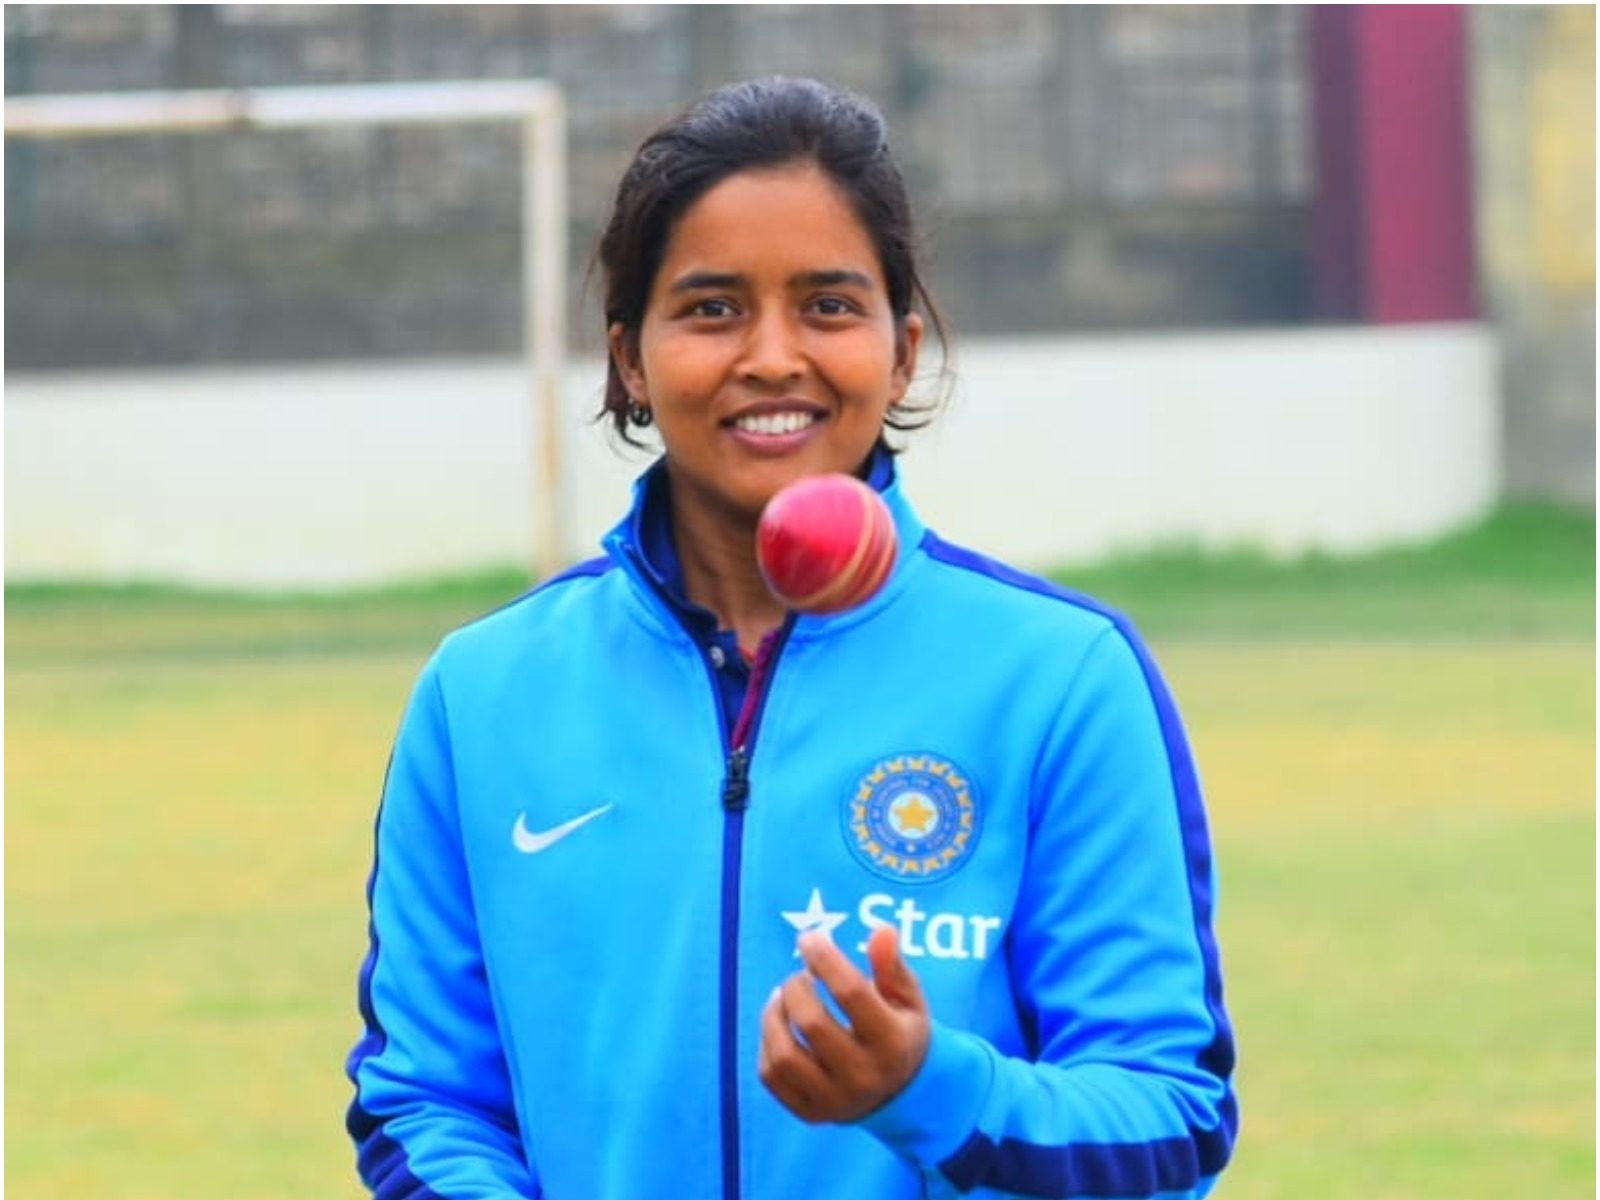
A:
[1273,325]
[1325,276]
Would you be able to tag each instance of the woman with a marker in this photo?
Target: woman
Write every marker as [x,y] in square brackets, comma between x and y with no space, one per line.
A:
[677,893]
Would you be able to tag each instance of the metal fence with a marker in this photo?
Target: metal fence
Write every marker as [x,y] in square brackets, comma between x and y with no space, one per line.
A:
[1074,167]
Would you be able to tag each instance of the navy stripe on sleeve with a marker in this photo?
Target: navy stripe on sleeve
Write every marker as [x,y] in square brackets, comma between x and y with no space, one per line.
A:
[1119,1169]
[380,1160]
[383,1165]
[1103,1170]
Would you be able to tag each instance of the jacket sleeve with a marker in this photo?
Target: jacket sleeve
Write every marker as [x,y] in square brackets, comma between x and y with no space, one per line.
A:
[432,1115]
[1126,1088]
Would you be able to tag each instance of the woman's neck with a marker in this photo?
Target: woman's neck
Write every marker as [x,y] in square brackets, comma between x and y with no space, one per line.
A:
[717,551]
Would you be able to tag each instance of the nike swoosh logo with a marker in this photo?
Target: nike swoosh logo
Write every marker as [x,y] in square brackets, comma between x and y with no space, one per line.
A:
[532,843]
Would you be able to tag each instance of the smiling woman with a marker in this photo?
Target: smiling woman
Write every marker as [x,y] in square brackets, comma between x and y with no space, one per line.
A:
[783,368]
[603,958]
[768,351]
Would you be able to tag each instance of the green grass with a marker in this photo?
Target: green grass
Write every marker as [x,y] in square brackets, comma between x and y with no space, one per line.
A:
[1404,827]
[97,623]
[184,863]
[1406,839]
[1526,570]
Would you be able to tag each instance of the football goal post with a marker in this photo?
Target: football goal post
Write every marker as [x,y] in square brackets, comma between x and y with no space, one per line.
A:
[537,105]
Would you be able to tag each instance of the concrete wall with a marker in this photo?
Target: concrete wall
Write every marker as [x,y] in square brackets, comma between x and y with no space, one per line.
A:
[1074,167]
[1053,450]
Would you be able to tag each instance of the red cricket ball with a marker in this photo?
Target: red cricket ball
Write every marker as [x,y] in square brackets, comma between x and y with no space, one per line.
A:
[825,543]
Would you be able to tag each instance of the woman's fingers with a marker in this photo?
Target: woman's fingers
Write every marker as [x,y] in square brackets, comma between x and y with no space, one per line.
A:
[786,1068]
[867,1011]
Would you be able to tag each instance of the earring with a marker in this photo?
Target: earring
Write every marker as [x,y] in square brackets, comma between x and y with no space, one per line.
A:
[639,415]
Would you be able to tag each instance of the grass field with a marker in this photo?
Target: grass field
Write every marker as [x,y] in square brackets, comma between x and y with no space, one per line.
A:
[1398,755]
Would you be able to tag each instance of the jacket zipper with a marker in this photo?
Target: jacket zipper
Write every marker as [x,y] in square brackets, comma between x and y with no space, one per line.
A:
[735,800]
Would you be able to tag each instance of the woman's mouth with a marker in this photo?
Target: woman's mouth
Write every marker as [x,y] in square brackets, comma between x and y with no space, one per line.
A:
[775,424]
[775,432]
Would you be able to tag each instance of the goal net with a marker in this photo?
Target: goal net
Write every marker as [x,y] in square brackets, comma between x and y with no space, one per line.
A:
[536,106]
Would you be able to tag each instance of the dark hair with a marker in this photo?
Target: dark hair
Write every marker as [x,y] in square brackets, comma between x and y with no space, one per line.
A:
[758,123]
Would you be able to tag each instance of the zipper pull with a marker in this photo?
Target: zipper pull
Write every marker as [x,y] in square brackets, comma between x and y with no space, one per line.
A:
[736,786]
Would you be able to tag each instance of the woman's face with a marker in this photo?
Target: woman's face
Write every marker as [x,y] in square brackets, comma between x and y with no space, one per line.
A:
[768,350]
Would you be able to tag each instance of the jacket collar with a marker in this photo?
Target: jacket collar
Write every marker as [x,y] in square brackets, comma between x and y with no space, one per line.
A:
[642,541]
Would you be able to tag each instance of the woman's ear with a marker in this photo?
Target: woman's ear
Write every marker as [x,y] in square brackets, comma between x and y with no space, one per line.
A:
[624,347]
[908,340]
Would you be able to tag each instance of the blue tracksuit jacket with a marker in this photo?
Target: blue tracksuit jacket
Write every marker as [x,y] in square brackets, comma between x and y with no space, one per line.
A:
[589,879]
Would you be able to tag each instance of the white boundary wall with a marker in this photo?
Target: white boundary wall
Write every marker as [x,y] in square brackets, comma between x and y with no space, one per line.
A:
[1053,451]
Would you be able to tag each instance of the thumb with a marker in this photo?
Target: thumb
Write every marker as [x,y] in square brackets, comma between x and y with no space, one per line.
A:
[896,982]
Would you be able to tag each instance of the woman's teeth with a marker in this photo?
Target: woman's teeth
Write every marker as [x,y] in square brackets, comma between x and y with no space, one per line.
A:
[774,424]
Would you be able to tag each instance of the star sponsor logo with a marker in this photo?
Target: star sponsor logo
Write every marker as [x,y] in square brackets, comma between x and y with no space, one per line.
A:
[923,934]
[815,917]
[912,818]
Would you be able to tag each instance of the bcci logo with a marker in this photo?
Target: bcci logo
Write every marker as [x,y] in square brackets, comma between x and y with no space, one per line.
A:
[912,818]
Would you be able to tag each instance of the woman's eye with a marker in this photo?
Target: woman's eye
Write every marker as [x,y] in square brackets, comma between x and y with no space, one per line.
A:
[711,308]
[834,306]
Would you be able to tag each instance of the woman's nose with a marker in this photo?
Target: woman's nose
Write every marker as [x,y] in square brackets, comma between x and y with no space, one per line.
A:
[772,352]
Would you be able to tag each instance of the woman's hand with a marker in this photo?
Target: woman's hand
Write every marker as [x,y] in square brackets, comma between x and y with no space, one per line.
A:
[822,1070]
